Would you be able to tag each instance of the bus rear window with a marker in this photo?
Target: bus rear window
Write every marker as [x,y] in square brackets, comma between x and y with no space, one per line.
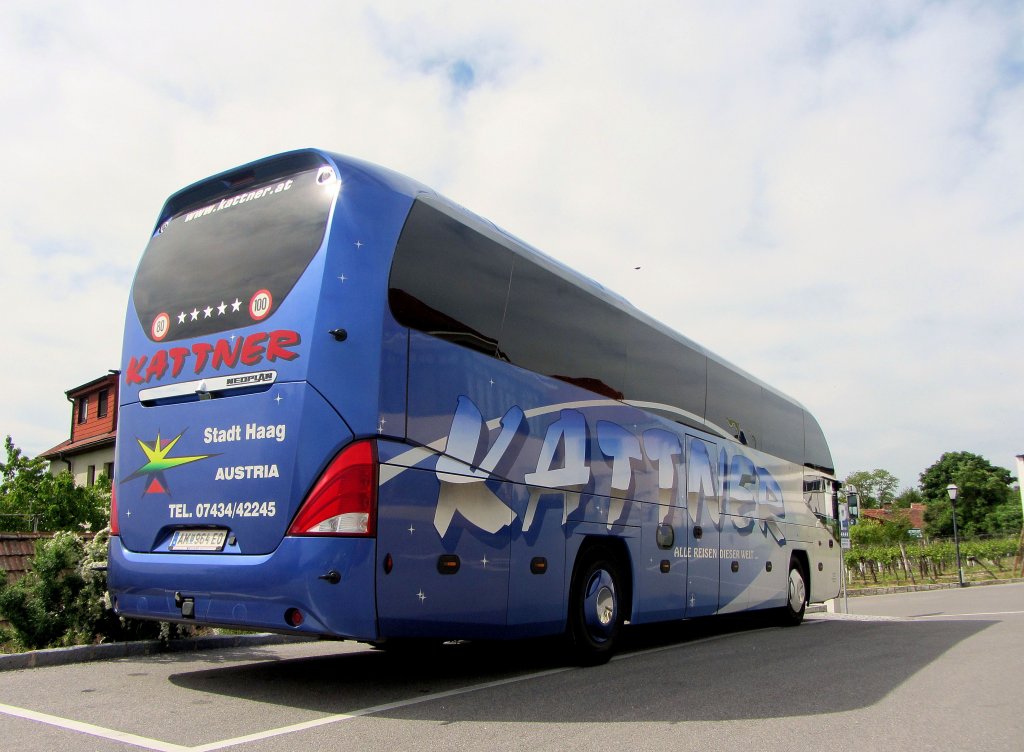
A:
[232,260]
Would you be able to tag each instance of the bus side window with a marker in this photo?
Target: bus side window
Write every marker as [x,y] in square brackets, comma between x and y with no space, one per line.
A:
[449,280]
[556,328]
[662,369]
[734,404]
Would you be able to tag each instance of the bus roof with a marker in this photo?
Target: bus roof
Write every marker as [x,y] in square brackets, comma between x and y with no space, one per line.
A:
[202,191]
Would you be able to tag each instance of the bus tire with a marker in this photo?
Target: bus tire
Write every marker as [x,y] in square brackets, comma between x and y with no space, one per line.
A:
[796,595]
[595,608]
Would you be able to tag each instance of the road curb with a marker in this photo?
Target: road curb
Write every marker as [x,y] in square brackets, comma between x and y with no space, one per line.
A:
[936,586]
[112,650]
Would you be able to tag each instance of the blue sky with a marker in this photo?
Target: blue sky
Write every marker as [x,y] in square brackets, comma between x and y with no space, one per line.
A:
[829,195]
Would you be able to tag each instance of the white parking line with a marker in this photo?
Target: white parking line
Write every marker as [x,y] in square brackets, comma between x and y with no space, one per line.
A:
[161,746]
[88,728]
[374,709]
[426,698]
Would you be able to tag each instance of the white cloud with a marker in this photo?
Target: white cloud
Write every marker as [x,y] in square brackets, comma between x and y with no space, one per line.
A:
[830,196]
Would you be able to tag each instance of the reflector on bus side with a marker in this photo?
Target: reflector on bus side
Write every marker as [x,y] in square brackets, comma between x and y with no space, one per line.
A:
[115,527]
[344,500]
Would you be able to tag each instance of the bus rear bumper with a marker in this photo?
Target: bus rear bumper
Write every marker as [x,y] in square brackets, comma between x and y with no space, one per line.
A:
[329,581]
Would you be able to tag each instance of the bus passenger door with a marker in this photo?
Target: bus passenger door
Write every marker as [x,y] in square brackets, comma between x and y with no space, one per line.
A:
[661,579]
[737,562]
[704,516]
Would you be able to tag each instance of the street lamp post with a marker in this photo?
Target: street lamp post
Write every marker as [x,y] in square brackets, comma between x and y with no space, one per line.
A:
[1020,478]
[952,490]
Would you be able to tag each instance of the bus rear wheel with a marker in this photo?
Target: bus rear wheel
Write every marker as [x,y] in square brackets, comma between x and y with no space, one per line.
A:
[595,608]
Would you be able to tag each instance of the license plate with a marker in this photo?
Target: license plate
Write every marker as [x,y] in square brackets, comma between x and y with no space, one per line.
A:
[198,540]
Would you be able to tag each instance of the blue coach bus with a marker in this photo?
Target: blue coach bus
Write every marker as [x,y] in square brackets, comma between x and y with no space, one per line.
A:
[352,408]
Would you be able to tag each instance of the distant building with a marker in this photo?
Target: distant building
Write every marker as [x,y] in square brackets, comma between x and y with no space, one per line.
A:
[89,452]
[887,514]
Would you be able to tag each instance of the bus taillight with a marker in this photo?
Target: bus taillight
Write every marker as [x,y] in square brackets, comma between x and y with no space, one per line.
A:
[344,500]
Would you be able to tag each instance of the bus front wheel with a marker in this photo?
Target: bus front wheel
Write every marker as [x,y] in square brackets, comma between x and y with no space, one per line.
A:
[595,608]
[796,600]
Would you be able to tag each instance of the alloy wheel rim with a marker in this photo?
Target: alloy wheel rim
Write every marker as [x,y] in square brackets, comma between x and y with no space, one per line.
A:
[600,605]
[797,590]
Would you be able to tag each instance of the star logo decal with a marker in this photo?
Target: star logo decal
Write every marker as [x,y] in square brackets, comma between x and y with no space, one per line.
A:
[159,462]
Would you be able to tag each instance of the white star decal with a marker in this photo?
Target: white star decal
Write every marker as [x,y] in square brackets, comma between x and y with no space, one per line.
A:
[277,399]
[484,561]
[411,529]
[195,314]
[236,305]
[221,308]
[421,595]
[342,278]
[181,317]
[208,311]
[359,244]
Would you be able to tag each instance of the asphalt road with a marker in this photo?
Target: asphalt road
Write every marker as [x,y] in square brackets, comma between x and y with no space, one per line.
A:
[940,670]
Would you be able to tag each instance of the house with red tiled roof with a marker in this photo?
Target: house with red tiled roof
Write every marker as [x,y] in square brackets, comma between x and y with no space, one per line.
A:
[888,513]
[89,452]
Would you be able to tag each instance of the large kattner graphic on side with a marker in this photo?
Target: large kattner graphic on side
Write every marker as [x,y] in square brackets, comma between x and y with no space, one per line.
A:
[752,492]
[391,419]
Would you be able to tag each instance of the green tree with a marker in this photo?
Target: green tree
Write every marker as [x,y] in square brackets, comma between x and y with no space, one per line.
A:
[985,501]
[881,532]
[907,497]
[1005,518]
[875,488]
[32,498]
[866,534]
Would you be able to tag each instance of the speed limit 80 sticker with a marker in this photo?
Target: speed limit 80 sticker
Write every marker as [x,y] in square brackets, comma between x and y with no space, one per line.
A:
[260,305]
[161,325]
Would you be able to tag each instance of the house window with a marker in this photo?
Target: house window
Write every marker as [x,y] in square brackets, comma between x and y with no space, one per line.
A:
[90,476]
[83,409]
[108,469]
[101,405]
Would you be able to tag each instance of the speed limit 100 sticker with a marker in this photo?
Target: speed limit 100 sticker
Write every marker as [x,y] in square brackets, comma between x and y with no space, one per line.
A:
[260,305]
[161,325]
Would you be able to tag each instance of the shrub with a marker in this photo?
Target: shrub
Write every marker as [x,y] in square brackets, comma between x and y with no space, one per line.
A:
[63,599]
[44,608]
